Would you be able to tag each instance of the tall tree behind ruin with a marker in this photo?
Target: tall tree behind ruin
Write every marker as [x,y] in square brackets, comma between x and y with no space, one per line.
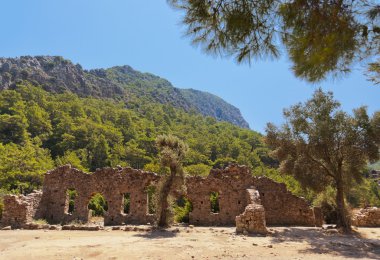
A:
[320,145]
[172,152]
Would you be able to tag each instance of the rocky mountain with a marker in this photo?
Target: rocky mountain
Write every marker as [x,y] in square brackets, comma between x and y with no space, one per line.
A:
[56,74]
[212,105]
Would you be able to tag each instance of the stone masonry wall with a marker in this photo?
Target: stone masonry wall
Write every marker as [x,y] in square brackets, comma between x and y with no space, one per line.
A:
[231,184]
[368,217]
[19,210]
[284,208]
[252,220]
[111,183]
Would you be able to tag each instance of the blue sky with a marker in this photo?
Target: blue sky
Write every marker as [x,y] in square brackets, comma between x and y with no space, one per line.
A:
[146,35]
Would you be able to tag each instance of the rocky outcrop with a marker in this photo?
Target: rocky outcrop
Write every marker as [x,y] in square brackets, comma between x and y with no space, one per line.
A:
[56,74]
[211,105]
[368,217]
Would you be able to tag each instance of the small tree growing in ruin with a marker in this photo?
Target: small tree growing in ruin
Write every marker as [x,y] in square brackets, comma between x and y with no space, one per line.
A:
[320,145]
[172,152]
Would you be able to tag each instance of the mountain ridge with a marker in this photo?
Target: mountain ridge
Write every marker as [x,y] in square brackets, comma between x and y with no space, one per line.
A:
[56,74]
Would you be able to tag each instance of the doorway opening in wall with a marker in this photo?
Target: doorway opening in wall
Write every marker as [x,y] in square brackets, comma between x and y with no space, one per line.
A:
[71,194]
[182,208]
[126,203]
[151,199]
[214,202]
[98,206]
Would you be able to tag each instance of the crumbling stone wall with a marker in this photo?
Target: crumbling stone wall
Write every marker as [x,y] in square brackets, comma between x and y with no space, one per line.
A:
[111,183]
[252,220]
[281,206]
[19,210]
[368,217]
[284,208]
[231,183]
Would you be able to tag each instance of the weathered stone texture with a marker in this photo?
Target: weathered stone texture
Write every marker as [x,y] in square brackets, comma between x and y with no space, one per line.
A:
[230,184]
[19,210]
[279,206]
[368,217]
[111,183]
[252,220]
[284,208]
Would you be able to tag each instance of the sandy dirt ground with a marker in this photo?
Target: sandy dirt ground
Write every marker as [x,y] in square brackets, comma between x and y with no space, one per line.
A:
[190,243]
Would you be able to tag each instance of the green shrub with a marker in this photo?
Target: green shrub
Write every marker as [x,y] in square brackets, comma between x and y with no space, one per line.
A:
[98,205]
[182,209]
[198,169]
[71,193]
[214,200]
[365,194]
[127,202]
[326,200]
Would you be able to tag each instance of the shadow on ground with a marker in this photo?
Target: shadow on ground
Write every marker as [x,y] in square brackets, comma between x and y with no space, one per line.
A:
[331,242]
[157,234]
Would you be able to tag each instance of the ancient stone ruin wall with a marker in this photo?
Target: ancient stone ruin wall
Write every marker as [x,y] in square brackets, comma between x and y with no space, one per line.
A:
[111,183]
[281,206]
[284,208]
[252,220]
[368,217]
[20,210]
[231,184]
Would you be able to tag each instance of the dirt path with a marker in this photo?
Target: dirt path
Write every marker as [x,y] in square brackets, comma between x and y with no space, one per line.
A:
[195,243]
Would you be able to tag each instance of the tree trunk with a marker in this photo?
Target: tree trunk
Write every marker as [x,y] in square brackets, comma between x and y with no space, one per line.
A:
[163,199]
[343,220]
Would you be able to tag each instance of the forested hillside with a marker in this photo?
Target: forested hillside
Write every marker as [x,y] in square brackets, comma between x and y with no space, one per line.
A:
[40,130]
[57,75]
[112,117]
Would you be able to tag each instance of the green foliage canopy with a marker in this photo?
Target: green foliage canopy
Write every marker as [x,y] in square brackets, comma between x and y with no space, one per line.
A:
[48,130]
[320,145]
[322,37]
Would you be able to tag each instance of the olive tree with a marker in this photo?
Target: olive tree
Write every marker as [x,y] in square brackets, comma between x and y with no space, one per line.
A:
[320,145]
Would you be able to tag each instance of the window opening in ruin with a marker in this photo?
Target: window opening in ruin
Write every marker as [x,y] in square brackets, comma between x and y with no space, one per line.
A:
[182,208]
[238,201]
[126,203]
[71,195]
[98,206]
[151,192]
[214,202]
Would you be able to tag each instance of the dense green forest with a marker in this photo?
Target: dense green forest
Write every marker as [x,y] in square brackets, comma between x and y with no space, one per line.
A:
[41,130]
[58,75]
